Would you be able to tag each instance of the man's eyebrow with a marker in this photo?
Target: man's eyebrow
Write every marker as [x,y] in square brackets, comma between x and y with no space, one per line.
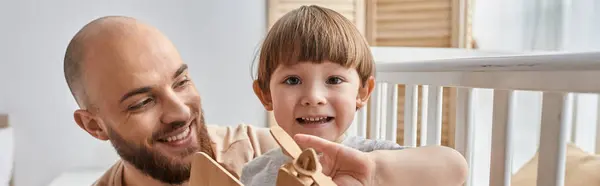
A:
[180,70]
[135,92]
[142,90]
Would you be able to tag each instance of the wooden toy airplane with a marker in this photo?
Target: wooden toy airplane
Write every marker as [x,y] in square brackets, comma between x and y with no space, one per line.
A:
[303,170]
[207,172]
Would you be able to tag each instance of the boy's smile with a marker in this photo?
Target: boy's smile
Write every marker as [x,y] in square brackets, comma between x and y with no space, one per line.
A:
[314,121]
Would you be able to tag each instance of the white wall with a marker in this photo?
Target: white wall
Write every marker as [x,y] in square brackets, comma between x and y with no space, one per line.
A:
[498,25]
[33,38]
[582,28]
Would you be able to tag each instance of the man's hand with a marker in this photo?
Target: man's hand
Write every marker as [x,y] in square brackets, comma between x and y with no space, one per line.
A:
[345,165]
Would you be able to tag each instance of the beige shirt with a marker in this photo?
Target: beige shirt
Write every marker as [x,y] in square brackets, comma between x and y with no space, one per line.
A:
[234,146]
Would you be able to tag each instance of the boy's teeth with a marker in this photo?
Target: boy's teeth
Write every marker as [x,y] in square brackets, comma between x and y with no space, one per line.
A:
[314,119]
[179,136]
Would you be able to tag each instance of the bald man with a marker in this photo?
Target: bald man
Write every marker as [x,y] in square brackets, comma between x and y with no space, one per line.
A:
[134,90]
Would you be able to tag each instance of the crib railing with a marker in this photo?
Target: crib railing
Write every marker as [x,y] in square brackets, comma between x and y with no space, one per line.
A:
[556,75]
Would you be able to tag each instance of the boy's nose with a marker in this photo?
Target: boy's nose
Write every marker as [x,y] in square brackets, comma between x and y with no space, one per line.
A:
[314,98]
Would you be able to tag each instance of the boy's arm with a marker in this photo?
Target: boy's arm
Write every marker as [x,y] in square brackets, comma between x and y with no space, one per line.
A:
[429,165]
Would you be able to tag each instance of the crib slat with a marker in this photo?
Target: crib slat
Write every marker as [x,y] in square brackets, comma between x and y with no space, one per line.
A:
[573,137]
[411,104]
[383,99]
[553,138]
[353,128]
[391,112]
[464,128]
[424,109]
[434,111]
[361,121]
[375,108]
[383,110]
[501,153]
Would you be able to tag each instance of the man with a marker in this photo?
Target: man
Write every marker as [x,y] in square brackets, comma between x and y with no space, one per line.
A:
[134,90]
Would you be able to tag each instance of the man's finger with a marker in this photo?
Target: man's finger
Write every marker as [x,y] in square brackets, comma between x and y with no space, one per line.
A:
[319,144]
[326,149]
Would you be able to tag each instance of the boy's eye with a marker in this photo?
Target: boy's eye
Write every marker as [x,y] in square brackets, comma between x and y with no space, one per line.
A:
[292,81]
[334,80]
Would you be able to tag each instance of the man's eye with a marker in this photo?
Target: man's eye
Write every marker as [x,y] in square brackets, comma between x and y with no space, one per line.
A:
[141,104]
[292,81]
[334,80]
[182,82]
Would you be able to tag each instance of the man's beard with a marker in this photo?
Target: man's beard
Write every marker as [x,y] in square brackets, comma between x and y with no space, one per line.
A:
[159,166]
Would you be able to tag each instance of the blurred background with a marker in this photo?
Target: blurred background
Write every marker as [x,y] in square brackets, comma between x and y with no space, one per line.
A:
[41,145]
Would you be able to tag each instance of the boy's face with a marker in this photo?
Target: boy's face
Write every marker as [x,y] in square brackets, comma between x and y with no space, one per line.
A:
[316,99]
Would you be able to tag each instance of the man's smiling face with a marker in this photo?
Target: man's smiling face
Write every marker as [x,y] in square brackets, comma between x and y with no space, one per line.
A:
[142,99]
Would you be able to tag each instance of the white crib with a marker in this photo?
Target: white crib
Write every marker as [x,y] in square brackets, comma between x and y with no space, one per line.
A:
[557,75]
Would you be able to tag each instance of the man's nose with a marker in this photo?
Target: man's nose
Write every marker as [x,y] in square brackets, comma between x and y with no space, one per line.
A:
[314,96]
[174,109]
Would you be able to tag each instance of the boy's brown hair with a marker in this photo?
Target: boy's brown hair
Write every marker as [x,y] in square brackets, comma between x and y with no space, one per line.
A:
[314,33]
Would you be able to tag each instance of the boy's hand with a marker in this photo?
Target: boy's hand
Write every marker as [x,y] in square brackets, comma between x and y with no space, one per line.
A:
[346,166]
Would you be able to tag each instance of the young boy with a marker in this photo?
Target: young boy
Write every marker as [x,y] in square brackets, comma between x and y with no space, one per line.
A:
[315,71]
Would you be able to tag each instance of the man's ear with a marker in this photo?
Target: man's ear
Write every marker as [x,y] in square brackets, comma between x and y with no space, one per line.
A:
[364,92]
[265,97]
[90,124]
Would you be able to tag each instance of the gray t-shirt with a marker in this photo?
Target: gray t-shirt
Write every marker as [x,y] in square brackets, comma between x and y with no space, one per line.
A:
[262,171]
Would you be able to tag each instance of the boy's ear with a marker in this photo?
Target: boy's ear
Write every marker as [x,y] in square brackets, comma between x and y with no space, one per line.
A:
[364,92]
[90,124]
[264,97]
